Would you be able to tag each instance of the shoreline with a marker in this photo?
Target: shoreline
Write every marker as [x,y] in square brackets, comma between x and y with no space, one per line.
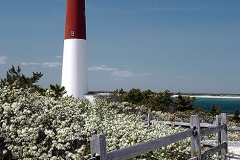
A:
[206,96]
[212,96]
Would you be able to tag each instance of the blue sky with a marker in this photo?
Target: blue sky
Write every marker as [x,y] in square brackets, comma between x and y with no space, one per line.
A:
[183,46]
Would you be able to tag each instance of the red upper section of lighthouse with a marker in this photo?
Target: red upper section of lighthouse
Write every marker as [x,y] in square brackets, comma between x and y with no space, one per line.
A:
[75,26]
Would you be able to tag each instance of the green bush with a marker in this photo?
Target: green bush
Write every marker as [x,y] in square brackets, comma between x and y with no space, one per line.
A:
[162,101]
[236,117]
[17,80]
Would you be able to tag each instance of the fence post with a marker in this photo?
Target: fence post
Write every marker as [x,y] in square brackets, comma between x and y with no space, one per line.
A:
[150,117]
[98,146]
[195,138]
[218,134]
[224,132]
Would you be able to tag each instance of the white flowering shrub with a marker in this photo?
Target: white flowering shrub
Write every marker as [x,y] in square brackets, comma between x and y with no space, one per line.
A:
[44,127]
[39,126]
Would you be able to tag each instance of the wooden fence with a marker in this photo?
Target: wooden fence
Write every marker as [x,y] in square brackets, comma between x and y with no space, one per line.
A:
[98,142]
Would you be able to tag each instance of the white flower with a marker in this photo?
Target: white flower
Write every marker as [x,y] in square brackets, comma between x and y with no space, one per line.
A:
[4,125]
[34,148]
[4,152]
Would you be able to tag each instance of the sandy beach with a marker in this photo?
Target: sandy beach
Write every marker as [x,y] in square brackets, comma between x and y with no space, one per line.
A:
[206,96]
[211,96]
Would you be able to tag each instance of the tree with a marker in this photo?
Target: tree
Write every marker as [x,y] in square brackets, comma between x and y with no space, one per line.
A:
[236,117]
[147,97]
[133,96]
[184,102]
[58,90]
[215,110]
[121,91]
[15,78]
[162,101]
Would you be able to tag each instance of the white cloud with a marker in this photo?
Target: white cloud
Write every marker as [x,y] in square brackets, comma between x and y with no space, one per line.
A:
[44,64]
[117,72]
[51,64]
[27,64]
[3,59]
[122,74]
[58,56]
[128,74]
[102,68]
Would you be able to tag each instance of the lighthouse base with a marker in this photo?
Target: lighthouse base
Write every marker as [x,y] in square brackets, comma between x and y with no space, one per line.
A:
[74,69]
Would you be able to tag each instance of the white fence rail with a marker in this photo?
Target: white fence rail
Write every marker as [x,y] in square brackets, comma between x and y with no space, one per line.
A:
[98,142]
[202,125]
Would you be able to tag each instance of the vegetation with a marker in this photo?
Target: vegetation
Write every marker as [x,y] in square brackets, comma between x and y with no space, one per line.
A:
[38,123]
[215,110]
[39,126]
[236,117]
[162,101]
[16,80]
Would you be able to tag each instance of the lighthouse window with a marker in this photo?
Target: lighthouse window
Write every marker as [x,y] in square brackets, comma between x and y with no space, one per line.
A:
[72,33]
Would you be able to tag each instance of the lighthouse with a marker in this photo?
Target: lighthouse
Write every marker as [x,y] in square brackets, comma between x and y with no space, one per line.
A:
[74,67]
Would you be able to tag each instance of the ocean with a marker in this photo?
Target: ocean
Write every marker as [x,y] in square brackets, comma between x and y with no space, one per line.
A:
[227,104]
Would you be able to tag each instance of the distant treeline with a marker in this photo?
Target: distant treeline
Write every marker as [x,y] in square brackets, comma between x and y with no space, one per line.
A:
[156,101]
[165,101]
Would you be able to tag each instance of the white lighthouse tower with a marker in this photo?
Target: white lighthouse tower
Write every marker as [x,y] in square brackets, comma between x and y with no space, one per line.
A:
[74,69]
